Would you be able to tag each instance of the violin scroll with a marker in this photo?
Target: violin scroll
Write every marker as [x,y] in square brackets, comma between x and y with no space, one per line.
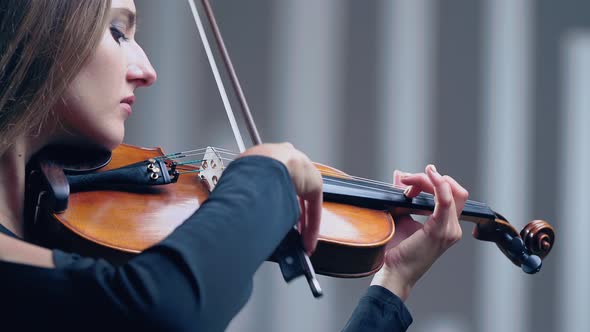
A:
[525,249]
[538,237]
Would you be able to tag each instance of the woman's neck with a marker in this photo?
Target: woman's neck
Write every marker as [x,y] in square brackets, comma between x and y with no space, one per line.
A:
[12,184]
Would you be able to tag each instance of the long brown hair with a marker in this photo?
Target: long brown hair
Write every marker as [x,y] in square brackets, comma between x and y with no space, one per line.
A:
[43,45]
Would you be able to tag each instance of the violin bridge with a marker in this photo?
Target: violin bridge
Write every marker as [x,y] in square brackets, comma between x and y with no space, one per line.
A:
[211,167]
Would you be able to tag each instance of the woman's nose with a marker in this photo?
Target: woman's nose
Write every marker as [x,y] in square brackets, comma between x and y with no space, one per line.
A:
[141,72]
[141,75]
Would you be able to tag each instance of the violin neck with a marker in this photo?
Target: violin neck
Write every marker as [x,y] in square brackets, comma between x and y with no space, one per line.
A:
[384,197]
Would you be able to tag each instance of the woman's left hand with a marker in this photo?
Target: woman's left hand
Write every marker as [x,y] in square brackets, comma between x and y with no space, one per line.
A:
[415,246]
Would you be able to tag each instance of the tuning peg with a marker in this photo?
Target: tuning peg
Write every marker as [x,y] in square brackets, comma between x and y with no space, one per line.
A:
[515,247]
[531,264]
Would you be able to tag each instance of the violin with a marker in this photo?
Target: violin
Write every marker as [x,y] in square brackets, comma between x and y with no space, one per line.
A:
[117,204]
[123,202]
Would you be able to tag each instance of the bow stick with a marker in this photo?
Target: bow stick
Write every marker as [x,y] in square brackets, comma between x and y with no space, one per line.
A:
[290,254]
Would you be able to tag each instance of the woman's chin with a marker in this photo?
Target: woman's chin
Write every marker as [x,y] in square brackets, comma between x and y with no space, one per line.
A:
[111,144]
[108,139]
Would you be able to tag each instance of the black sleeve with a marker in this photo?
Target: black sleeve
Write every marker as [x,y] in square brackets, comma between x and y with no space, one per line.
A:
[196,279]
[379,310]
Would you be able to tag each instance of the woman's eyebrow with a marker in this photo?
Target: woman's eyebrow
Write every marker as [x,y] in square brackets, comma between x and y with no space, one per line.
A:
[127,13]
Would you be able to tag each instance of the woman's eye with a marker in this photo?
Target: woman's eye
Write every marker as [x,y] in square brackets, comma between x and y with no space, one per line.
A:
[118,35]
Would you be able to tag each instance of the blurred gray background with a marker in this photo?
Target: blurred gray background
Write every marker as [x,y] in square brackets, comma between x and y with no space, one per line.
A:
[494,92]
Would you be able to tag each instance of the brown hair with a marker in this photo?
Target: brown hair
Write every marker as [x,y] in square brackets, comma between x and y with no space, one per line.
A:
[43,45]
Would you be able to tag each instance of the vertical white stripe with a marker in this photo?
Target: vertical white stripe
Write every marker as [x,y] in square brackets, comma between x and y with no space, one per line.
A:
[307,67]
[406,116]
[406,74]
[574,179]
[215,70]
[307,55]
[167,99]
[506,159]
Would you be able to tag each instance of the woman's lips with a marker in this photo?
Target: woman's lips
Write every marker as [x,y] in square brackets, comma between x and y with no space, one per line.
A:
[127,108]
[126,103]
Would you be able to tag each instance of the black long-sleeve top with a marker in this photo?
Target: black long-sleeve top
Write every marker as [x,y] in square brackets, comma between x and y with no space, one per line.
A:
[197,279]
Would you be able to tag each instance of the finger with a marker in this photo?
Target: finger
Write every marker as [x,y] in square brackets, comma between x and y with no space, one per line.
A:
[460,194]
[397,175]
[302,215]
[313,219]
[397,182]
[412,191]
[419,182]
[443,196]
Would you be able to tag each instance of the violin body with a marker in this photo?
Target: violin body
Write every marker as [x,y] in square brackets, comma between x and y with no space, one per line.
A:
[118,223]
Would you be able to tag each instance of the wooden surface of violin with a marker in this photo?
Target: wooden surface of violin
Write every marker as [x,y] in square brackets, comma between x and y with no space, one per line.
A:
[132,220]
[120,222]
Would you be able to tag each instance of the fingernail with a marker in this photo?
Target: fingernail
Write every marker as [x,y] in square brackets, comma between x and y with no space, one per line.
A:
[407,191]
[433,168]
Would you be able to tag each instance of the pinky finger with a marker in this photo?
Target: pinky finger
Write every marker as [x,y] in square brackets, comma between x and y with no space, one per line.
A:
[302,215]
[312,226]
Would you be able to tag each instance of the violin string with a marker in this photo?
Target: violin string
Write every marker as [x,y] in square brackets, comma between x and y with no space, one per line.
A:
[179,163]
[336,176]
[392,189]
[362,180]
[359,182]
[190,155]
[191,171]
[194,152]
[333,173]
[474,205]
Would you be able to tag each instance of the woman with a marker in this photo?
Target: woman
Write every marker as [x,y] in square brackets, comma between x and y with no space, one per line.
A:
[69,70]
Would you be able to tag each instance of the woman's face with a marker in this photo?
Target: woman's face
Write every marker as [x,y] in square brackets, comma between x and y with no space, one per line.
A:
[100,98]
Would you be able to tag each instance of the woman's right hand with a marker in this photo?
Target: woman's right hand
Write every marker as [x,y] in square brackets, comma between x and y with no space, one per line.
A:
[308,186]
